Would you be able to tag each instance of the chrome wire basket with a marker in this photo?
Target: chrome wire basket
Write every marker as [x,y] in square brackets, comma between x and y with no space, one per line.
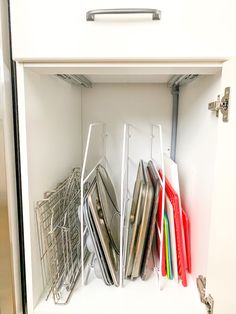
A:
[59,238]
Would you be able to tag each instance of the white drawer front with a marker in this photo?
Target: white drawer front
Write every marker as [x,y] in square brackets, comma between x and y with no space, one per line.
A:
[58,29]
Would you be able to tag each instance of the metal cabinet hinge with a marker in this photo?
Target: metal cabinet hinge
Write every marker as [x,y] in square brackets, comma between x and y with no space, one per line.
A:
[221,105]
[208,300]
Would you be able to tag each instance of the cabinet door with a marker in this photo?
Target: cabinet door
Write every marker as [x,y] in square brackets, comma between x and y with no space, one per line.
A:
[59,30]
[222,251]
[10,272]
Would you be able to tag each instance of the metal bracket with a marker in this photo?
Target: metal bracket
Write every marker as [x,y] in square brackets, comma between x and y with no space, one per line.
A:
[76,79]
[208,300]
[221,105]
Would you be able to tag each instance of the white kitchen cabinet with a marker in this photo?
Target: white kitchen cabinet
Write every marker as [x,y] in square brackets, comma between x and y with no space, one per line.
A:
[58,30]
[53,123]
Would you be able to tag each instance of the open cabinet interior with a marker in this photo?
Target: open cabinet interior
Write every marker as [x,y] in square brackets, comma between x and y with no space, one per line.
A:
[55,117]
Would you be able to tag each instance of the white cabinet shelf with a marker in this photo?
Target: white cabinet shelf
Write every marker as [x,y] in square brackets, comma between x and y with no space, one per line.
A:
[137,297]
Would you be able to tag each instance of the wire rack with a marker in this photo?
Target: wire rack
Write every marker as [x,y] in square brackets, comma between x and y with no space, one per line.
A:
[60,238]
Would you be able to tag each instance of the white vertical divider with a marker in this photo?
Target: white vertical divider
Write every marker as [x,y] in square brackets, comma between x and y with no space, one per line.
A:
[124,196]
[160,164]
[84,179]
[156,140]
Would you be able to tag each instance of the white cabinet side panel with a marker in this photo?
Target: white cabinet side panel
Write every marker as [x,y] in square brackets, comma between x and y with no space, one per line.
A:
[196,149]
[25,185]
[221,273]
[53,144]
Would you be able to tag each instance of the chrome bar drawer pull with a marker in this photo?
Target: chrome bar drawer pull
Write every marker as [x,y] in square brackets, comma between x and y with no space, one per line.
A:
[156,14]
